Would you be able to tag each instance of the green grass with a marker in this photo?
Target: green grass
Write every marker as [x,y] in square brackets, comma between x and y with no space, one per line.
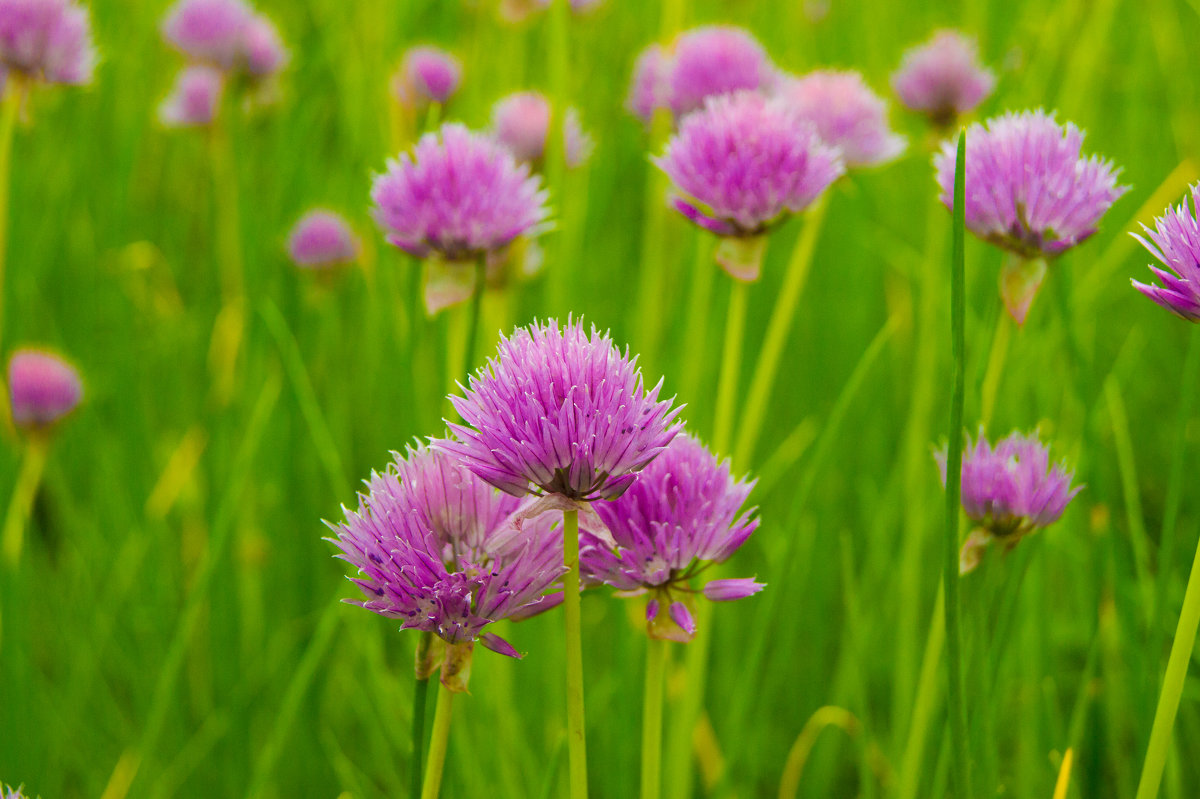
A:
[112,259]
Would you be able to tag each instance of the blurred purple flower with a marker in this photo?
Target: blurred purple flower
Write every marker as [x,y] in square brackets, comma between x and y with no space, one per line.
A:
[943,78]
[1175,242]
[42,387]
[744,163]
[520,122]
[427,75]
[1010,491]
[459,195]
[322,239]
[262,49]
[195,97]
[422,539]
[649,88]
[846,113]
[47,40]
[562,413]
[682,513]
[712,61]
[226,34]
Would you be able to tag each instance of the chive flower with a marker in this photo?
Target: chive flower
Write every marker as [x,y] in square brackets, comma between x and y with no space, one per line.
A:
[427,75]
[1008,492]
[846,114]
[1029,191]
[42,389]
[943,78]
[322,239]
[194,99]
[424,542]
[226,34]
[560,412]
[715,60]
[648,89]
[9,792]
[521,123]
[46,40]
[742,165]
[1175,242]
[684,513]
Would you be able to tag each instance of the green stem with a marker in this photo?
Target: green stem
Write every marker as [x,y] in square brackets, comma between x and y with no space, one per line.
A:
[925,704]
[420,702]
[439,738]
[230,324]
[28,480]
[576,739]
[731,362]
[652,718]
[473,323]
[8,123]
[695,336]
[958,717]
[767,367]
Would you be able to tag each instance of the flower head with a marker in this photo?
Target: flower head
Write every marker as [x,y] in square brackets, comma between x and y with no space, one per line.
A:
[943,78]
[1175,242]
[9,792]
[427,75]
[43,388]
[560,412]
[648,89]
[226,34]
[847,115]
[194,98]
[322,239]
[262,48]
[521,122]
[683,513]
[1028,189]
[48,40]
[1009,491]
[458,194]
[714,60]
[745,162]
[422,539]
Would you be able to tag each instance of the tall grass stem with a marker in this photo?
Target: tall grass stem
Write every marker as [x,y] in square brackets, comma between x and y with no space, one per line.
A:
[439,738]
[652,718]
[576,737]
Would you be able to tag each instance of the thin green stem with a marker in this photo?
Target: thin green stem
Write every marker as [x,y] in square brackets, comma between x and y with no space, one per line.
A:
[767,367]
[472,341]
[230,323]
[576,739]
[1172,689]
[958,717]
[731,363]
[439,738]
[8,123]
[28,480]
[925,705]
[420,701]
[695,336]
[652,718]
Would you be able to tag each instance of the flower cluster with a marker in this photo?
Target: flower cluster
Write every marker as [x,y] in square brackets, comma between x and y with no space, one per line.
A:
[1175,242]
[682,514]
[43,388]
[322,239]
[521,122]
[846,114]
[943,78]
[46,40]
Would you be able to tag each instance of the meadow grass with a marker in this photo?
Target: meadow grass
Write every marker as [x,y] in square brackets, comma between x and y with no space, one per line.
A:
[173,628]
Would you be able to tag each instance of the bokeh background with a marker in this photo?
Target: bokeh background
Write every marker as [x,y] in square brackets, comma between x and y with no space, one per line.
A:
[174,629]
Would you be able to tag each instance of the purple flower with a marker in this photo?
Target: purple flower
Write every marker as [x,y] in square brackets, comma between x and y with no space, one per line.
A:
[226,34]
[48,40]
[322,239]
[423,540]
[744,163]
[1028,189]
[712,61]
[1010,491]
[263,52]
[683,513]
[560,412]
[520,122]
[459,195]
[427,75]
[42,387]
[943,78]
[8,792]
[847,115]
[648,89]
[1175,242]
[194,99]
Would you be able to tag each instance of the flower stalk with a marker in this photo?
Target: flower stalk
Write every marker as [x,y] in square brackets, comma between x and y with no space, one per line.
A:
[440,737]
[576,737]
[652,718]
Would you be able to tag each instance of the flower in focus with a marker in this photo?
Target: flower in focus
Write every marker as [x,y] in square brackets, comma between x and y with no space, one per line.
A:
[560,412]
[1029,190]
[194,98]
[322,239]
[423,542]
[847,115]
[1175,242]
[226,34]
[740,166]
[1009,491]
[521,122]
[47,40]
[426,75]
[682,514]
[43,388]
[943,78]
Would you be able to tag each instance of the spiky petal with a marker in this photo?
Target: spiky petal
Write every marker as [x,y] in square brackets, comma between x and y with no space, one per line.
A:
[521,122]
[846,114]
[42,387]
[322,239]
[47,40]
[1175,242]
[1028,188]
[560,412]
[943,77]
